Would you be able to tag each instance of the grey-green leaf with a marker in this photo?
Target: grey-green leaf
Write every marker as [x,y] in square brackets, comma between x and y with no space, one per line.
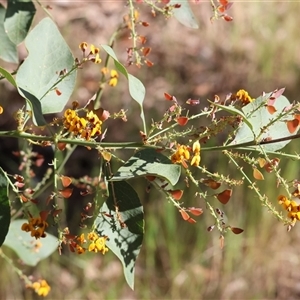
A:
[260,118]
[184,14]
[149,162]
[4,209]
[136,88]
[18,19]
[8,76]
[8,50]
[26,246]
[39,74]
[121,219]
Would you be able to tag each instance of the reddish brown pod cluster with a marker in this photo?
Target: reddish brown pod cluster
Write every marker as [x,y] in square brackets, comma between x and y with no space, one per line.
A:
[220,10]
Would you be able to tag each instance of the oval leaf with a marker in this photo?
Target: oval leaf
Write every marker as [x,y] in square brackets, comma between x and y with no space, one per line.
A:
[18,18]
[184,14]
[4,208]
[30,250]
[149,162]
[48,55]
[121,218]
[8,50]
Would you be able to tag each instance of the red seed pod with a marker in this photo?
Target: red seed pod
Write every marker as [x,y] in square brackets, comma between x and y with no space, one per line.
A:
[236,230]
[196,211]
[66,193]
[182,121]
[227,18]
[193,102]
[168,97]
[145,24]
[176,194]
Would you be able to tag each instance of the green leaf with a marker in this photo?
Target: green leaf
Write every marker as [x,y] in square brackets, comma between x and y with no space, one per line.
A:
[18,18]
[258,115]
[184,14]
[30,250]
[39,74]
[8,50]
[149,162]
[8,76]
[4,209]
[124,227]
[136,88]
[35,106]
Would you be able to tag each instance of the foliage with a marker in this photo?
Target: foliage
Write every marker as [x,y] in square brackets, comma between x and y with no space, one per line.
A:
[168,155]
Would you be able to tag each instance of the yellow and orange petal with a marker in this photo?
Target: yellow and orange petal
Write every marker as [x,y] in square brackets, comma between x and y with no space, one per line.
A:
[83,46]
[196,160]
[244,97]
[41,287]
[196,147]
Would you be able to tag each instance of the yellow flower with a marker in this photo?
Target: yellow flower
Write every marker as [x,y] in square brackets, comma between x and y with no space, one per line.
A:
[81,239]
[83,46]
[244,97]
[196,147]
[196,160]
[1,110]
[92,236]
[181,155]
[113,78]
[98,246]
[94,50]
[41,287]
[79,249]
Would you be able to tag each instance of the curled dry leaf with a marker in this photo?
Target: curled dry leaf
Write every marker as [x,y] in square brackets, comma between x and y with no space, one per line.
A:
[176,194]
[65,180]
[224,196]
[257,174]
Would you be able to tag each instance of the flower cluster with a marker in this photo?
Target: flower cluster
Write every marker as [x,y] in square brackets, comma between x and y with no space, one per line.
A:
[292,207]
[183,154]
[93,55]
[87,127]
[96,243]
[36,226]
[41,287]
[243,96]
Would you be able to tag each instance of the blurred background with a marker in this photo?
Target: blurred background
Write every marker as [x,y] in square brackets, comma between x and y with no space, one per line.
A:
[259,51]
